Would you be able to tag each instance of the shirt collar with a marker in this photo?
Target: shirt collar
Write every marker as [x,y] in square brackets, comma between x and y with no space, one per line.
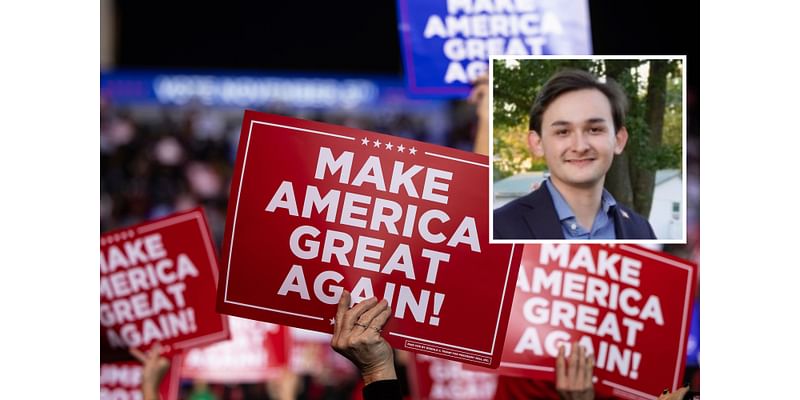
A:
[563,209]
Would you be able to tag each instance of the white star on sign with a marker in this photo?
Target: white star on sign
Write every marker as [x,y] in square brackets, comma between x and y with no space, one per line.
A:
[401,148]
[412,150]
[377,143]
[364,141]
[389,146]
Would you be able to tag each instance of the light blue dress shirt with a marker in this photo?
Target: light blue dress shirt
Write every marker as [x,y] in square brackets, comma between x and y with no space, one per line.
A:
[602,227]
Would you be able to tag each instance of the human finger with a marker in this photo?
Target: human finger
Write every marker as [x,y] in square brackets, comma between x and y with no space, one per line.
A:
[580,368]
[478,95]
[372,312]
[352,315]
[572,363]
[678,394]
[154,351]
[477,92]
[561,371]
[139,355]
[588,370]
[379,321]
[479,89]
[341,309]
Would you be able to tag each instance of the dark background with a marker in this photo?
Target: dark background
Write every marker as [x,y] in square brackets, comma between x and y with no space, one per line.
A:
[354,36]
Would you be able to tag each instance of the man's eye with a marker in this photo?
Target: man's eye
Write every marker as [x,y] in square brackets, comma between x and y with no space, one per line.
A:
[561,132]
[597,129]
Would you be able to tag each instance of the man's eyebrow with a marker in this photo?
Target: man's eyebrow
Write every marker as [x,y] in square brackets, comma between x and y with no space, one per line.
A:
[594,120]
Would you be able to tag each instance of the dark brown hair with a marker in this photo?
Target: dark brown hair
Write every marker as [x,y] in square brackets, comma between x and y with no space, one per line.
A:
[569,80]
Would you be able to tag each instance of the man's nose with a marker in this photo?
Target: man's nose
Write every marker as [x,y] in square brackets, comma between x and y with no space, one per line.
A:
[580,142]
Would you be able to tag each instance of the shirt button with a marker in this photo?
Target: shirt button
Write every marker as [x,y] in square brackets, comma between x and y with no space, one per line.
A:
[573,227]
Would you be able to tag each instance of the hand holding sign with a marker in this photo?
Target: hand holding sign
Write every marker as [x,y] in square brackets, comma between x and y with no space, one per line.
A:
[479,96]
[154,368]
[574,381]
[357,336]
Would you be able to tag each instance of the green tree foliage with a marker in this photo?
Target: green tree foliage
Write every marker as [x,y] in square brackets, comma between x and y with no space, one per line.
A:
[654,119]
[673,121]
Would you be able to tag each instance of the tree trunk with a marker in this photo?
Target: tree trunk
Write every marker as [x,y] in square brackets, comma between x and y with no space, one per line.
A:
[644,176]
[618,180]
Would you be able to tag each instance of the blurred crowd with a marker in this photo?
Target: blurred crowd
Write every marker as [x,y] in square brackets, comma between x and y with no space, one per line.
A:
[156,160]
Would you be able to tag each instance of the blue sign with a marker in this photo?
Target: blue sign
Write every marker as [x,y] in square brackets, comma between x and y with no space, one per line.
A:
[256,90]
[693,345]
[447,43]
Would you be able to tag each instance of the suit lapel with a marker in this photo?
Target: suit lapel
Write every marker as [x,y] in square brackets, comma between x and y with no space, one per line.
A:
[622,227]
[542,220]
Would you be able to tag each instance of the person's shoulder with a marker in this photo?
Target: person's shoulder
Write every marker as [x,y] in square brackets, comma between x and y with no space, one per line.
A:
[514,208]
[633,219]
[507,218]
[511,220]
[510,208]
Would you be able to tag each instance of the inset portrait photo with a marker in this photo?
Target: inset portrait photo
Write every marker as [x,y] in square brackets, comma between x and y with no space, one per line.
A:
[588,148]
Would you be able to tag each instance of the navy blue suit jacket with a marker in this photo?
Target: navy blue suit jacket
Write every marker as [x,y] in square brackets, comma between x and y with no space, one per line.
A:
[534,216]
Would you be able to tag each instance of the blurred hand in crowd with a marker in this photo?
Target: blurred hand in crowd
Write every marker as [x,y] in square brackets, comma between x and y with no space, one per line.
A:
[479,96]
[574,375]
[357,336]
[285,386]
[154,367]
[676,395]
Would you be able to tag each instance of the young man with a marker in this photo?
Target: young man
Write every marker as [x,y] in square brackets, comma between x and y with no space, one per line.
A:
[578,124]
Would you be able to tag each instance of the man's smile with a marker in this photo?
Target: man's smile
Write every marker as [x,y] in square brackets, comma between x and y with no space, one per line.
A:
[580,162]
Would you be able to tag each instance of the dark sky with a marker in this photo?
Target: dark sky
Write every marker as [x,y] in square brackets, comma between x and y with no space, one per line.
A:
[351,36]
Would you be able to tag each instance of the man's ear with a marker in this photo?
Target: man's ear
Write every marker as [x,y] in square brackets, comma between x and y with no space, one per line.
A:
[621,139]
[535,144]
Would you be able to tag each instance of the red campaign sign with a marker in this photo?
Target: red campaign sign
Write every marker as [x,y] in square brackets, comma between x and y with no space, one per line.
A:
[436,379]
[628,305]
[257,351]
[157,281]
[317,208]
[123,380]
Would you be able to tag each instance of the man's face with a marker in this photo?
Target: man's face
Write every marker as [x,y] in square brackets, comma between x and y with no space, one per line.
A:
[578,138]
